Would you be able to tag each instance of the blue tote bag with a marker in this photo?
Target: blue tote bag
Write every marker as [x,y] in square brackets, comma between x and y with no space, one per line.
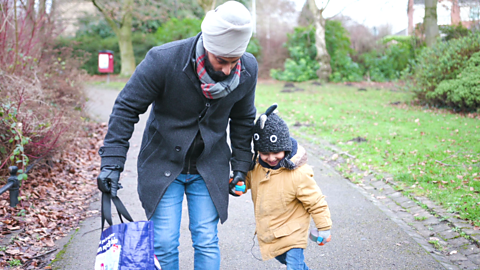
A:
[125,246]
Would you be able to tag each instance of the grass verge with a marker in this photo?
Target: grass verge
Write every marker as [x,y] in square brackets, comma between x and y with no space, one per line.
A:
[115,85]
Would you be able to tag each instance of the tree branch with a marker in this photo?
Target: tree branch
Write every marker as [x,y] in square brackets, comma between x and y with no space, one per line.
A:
[340,10]
[127,10]
[326,5]
[109,18]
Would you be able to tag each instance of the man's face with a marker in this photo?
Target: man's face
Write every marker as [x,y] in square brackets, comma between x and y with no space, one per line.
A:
[219,68]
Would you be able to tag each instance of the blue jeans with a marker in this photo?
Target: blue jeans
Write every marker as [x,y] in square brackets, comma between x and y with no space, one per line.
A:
[294,259]
[203,224]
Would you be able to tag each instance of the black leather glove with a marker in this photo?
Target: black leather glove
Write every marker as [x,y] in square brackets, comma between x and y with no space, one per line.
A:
[237,177]
[107,180]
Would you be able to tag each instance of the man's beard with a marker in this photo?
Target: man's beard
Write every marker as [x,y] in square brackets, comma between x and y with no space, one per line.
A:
[217,76]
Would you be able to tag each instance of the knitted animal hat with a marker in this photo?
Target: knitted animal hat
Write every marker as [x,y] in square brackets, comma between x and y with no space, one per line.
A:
[270,133]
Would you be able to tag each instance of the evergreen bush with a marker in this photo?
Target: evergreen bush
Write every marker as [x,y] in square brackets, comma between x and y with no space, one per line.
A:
[443,61]
[301,66]
[339,48]
[387,64]
[453,31]
[176,29]
[463,92]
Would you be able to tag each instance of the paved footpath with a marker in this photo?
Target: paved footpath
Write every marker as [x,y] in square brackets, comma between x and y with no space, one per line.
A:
[371,228]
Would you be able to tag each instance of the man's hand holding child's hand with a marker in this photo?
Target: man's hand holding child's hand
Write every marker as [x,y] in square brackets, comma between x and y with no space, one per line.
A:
[237,178]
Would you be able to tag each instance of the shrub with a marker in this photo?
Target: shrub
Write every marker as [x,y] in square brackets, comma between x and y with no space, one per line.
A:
[463,92]
[338,46]
[301,66]
[41,96]
[344,69]
[92,44]
[254,47]
[388,64]
[453,31]
[176,29]
[40,109]
[443,61]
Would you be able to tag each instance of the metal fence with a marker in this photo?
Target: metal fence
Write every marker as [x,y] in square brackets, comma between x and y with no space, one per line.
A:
[12,185]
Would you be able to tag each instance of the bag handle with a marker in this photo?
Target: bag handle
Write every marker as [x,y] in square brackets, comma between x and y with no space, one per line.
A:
[107,209]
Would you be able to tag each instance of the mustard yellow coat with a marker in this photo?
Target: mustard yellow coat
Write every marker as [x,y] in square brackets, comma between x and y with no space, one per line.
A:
[284,200]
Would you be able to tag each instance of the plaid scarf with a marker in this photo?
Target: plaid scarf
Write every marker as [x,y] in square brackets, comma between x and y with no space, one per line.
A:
[210,88]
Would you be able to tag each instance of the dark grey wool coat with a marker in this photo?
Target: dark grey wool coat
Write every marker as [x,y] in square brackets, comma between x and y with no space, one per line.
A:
[166,79]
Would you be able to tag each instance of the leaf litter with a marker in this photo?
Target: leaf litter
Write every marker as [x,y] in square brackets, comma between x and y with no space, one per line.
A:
[52,201]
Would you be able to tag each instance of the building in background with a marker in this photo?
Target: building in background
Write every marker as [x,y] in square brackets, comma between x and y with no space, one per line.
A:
[69,11]
[449,12]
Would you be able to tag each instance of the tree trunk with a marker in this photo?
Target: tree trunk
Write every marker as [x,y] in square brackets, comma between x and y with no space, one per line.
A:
[455,13]
[323,57]
[430,22]
[207,5]
[410,17]
[127,56]
[123,31]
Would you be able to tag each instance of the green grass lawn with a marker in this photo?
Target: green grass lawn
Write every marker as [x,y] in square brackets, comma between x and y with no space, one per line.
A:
[431,153]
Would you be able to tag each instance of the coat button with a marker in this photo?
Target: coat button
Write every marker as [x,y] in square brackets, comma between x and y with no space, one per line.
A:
[101,151]
[207,105]
[178,148]
[167,173]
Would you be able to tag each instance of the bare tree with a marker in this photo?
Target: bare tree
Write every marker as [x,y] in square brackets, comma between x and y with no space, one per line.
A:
[323,57]
[410,11]
[430,22]
[274,20]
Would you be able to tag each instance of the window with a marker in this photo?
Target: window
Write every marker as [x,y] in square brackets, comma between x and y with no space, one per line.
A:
[475,13]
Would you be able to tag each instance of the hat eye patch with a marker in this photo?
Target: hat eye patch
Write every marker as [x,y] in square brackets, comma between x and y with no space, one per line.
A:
[256,137]
[273,138]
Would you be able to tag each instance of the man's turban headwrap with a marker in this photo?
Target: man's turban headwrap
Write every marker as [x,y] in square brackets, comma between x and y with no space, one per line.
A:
[227,30]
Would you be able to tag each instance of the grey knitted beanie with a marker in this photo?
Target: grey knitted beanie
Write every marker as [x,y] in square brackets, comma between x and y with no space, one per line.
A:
[270,133]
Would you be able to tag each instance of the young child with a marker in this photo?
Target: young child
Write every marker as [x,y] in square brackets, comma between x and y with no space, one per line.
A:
[284,194]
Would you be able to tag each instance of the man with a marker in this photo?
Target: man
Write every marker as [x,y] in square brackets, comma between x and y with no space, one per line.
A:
[197,87]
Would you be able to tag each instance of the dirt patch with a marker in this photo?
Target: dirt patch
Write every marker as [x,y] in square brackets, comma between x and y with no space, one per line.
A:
[365,85]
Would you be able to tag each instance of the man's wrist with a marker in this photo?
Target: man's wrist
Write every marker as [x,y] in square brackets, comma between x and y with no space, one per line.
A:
[113,167]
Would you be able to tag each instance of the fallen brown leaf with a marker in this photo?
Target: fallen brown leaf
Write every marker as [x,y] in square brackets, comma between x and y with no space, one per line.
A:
[54,199]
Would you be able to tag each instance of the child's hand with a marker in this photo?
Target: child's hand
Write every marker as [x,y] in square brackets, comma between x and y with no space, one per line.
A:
[237,184]
[323,237]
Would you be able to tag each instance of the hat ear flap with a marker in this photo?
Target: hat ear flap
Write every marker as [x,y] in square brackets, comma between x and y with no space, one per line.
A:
[271,109]
[263,119]
[254,161]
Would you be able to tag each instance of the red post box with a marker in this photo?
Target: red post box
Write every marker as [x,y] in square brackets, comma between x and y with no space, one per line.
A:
[105,61]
